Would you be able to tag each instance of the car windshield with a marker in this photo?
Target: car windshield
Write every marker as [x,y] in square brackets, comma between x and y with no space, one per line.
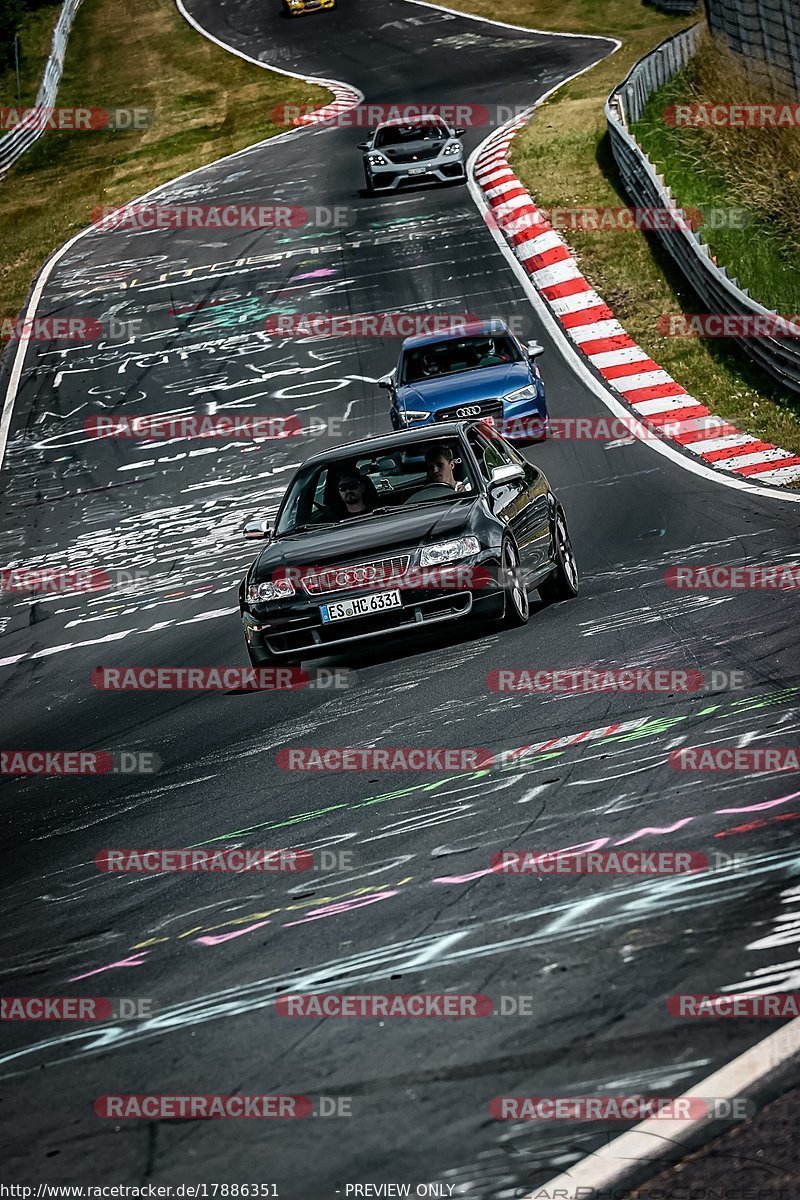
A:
[456,355]
[398,135]
[351,487]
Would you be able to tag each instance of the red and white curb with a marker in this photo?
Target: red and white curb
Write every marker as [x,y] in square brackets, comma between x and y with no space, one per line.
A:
[639,382]
[345,98]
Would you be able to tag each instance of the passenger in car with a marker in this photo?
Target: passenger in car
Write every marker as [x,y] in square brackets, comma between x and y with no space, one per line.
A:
[355,496]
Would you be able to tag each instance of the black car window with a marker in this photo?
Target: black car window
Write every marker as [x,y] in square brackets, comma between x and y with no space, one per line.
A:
[391,475]
[487,454]
[455,355]
[508,453]
[397,135]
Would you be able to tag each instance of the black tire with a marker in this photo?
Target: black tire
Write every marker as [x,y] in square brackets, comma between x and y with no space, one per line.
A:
[517,604]
[562,584]
[369,190]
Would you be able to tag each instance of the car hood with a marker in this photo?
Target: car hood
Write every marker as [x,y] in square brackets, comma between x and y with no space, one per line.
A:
[468,387]
[406,150]
[364,538]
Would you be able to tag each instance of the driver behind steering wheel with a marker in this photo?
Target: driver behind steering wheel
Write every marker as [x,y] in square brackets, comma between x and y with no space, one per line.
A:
[440,467]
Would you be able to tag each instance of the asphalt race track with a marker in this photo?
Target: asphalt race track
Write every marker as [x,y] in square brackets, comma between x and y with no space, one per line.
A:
[416,910]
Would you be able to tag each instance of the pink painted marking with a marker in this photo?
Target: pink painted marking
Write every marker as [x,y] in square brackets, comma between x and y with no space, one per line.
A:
[655,829]
[318,274]
[760,807]
[123,962]
[566,851]
[214,939]
[333,910]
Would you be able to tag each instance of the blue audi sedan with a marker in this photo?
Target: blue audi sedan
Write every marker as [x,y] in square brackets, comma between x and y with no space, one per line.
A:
[479,372]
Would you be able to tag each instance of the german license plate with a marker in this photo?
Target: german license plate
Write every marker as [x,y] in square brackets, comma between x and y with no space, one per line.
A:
[359,606]
[417,170]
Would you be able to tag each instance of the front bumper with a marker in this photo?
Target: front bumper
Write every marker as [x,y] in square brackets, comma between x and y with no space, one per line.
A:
[436,170]
[525,420]
[295,628]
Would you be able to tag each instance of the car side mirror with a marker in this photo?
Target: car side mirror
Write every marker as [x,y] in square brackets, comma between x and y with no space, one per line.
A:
[387,383]
[363,145]
[459,132]
[257,527]
[505,474]
[534,350]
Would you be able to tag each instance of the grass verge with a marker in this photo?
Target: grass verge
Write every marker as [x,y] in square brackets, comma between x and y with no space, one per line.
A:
[564,157]
[206,103]
[755,171]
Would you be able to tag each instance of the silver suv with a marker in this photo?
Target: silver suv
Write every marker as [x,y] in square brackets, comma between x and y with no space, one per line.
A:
[422,151]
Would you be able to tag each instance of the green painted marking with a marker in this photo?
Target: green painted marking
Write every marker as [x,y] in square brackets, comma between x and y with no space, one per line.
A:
[653,725]
[306,816]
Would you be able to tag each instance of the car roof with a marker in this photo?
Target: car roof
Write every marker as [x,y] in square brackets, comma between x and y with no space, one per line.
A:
[411,121]
[469,329]
[441,429]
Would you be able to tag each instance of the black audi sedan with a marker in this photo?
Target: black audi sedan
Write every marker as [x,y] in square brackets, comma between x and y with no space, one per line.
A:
[392,534]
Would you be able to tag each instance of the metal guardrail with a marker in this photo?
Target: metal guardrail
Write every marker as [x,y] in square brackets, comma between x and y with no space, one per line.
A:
[765,32]
[718,291]
[676,8]
[14,144]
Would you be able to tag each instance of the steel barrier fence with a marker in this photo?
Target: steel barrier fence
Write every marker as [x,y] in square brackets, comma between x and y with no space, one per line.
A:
[718,291]
[14,144]
[676,8]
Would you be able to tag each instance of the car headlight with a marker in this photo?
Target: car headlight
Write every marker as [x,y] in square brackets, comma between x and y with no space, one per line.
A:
[377,160]
[414,414]
[453,148]
[278,589]
[526,393]
[445,552]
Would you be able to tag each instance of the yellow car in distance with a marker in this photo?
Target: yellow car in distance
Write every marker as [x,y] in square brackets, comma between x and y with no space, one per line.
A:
[296,8]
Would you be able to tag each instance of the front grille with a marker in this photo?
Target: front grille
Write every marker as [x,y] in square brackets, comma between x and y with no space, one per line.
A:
[355,575]
[471,412]
[395,620]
